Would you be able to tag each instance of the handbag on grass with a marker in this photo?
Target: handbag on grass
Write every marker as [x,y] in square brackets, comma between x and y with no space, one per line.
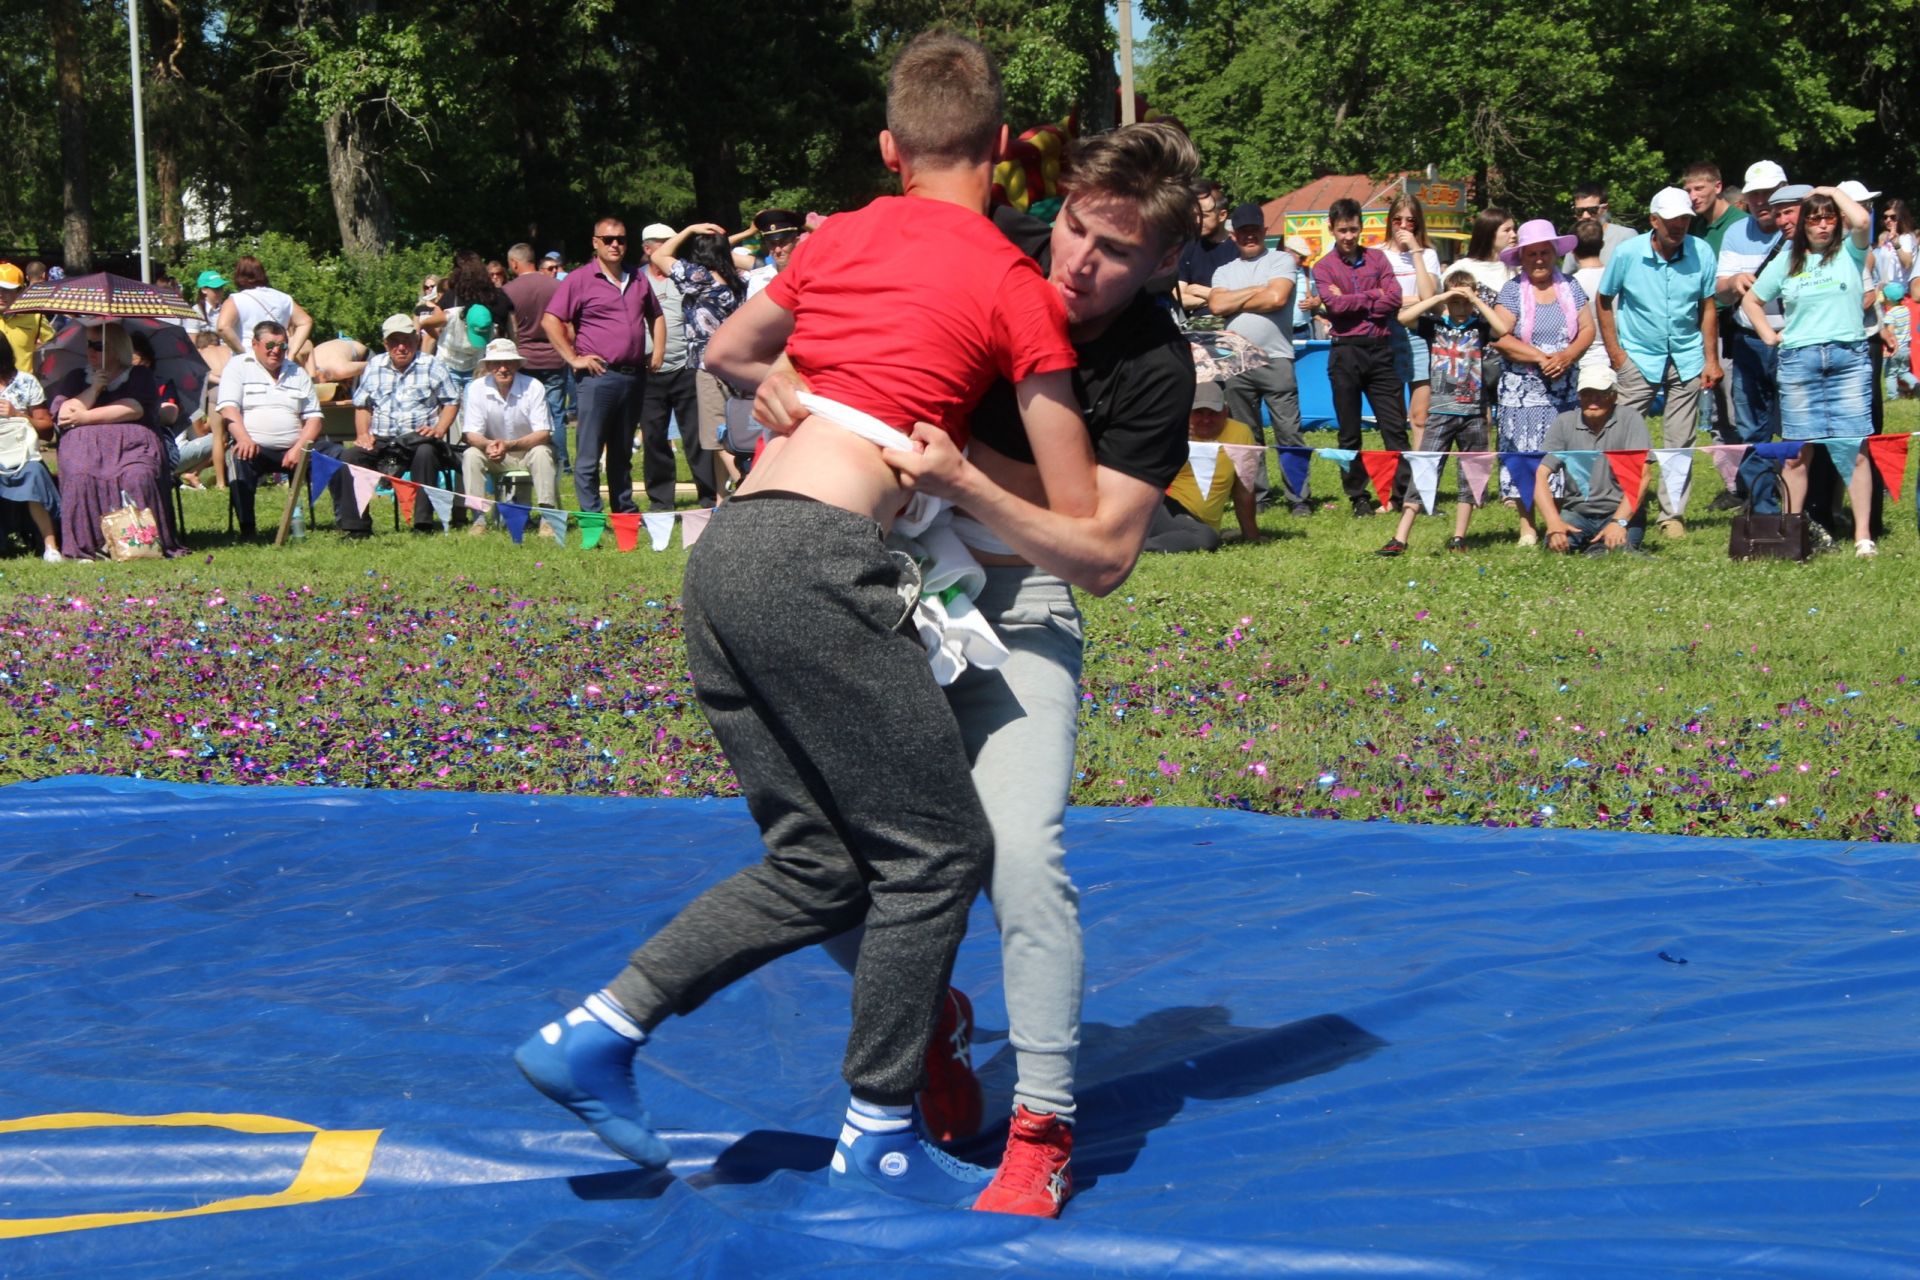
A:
[130,531]
[1780,536]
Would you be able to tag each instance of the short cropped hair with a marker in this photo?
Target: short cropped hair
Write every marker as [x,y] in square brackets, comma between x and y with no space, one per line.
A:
[1344,209]
[1701,169]
[1152,165]
[1591,191]
[945,104]
[522,252]
[269,329]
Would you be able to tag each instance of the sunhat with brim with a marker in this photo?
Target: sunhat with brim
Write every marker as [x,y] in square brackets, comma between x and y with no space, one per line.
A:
[1539,231]
[501,351]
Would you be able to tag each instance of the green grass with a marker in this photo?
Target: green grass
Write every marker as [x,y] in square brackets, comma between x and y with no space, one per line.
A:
[1675,692]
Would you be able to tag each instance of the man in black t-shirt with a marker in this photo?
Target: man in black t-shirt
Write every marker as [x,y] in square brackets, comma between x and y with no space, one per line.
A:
[1128,211]
[1211,249]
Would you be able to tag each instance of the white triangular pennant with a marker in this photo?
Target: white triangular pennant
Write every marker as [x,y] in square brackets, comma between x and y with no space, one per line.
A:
[1426,477]
[659,528]
[1204,457]
[364,483]
[1675,466]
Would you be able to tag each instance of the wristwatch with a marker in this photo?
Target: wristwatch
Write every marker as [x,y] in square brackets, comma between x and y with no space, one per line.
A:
[1621,521]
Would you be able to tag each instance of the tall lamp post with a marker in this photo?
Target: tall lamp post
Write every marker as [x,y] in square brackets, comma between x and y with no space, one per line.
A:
[1125,8]
[139,136]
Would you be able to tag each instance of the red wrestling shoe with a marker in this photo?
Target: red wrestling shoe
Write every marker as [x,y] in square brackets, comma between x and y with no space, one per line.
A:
[950,1105]
[1034,1178]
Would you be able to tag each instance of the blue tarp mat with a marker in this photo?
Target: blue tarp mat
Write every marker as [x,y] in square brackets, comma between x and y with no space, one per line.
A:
[1311,1049]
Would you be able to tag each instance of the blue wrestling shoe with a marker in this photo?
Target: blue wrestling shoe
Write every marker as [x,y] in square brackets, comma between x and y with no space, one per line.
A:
[886,1154]
[586,1066]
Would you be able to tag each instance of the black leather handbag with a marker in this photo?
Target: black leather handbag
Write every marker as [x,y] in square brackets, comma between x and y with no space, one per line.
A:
[1770,537]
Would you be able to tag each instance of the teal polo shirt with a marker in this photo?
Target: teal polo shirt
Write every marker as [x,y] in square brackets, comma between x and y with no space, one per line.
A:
[1656,304]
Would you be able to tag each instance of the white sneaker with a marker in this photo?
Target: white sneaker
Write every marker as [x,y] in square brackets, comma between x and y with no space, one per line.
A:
[1865,549]
[52,556]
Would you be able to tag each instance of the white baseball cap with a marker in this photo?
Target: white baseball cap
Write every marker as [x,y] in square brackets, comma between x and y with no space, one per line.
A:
[1670,202]
[398,324]
[1764,175]
[1856,190]
[656,231]
[1597,377]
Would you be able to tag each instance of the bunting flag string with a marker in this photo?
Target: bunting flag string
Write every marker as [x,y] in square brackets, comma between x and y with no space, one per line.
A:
[1889,455]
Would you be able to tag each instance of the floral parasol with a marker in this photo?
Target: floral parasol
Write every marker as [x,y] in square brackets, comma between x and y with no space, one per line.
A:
[100,294]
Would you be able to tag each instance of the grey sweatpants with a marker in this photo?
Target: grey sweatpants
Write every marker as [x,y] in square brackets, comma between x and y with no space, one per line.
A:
[852,765]
[1020,724]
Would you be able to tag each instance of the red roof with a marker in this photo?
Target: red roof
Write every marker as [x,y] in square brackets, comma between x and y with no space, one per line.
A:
[1318,196]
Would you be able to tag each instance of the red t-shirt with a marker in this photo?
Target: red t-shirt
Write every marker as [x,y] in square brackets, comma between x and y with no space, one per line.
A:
[911,308]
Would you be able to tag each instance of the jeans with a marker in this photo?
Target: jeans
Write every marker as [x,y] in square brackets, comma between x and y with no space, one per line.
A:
[1273,383]
[1826,391]
[1756,416]
[556,382]
[610,405]
[1587,529]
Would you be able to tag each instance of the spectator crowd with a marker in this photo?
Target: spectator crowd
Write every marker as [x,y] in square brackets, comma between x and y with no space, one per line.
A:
[1745,313]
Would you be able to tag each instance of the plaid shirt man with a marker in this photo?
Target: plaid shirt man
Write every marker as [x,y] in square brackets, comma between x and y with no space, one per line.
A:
[403,402]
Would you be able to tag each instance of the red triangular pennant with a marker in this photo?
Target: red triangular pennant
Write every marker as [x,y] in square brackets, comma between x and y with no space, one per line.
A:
[1381,464]
[626,530]
[1890,459]
[404,493]
[1629,469]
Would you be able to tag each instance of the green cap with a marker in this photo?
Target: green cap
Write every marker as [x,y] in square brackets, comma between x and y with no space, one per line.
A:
[479,322]
[210,280]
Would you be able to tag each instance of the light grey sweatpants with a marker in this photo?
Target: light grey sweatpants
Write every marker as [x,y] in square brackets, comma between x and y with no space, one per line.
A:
[1019,725]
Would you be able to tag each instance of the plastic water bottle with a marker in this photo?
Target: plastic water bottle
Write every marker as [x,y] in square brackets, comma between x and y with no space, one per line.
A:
[299,526]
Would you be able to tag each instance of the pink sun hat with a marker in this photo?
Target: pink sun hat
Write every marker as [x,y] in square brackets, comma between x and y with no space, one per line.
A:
[1539,231]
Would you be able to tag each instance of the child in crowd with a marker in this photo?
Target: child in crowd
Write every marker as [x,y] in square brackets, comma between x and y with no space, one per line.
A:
[1901,313]
[1459,328]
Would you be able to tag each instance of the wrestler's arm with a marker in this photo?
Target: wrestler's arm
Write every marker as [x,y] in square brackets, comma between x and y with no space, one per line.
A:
[1094,552]
[745,347]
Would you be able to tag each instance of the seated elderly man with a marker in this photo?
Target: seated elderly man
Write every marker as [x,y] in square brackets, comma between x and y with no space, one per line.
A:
[507,428]
[271,414]
[403,407]
[1188,518]
[1605,518]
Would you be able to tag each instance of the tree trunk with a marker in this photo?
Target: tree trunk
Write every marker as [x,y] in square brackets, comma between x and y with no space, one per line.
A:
[76,197]
[359,198]
[166,97]
[717,186]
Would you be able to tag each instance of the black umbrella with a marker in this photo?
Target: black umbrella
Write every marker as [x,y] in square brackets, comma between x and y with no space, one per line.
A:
[175,359]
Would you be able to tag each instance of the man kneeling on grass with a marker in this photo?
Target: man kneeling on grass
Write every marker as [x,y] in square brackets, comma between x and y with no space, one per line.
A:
[1606,518]
[1188,518]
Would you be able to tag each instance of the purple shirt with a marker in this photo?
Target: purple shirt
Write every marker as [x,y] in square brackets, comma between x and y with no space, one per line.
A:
[1369,294]
[608,321]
